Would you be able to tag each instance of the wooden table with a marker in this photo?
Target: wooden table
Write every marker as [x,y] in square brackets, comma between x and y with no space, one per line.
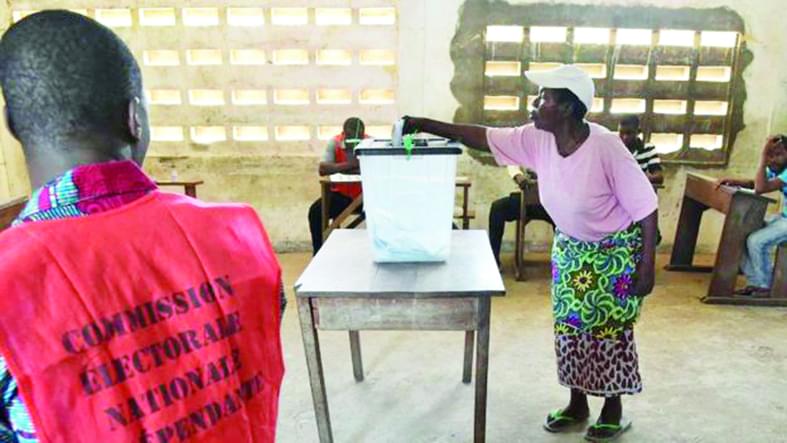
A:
[745,212]
[451,296]
[325,189]
[9,210]
[189,187]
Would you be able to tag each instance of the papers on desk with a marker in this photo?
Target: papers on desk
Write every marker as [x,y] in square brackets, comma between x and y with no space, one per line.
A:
[734,189]
[345,178]
[746,190]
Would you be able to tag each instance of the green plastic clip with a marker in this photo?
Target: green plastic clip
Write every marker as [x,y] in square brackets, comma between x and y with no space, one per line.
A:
[409,144]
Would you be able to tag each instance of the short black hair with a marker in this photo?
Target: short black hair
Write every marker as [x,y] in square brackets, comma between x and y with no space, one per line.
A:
[66,75]
[630,121]
[568,97]
[353,125]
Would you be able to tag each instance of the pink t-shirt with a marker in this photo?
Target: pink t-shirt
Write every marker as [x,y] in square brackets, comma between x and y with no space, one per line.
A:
[594,192]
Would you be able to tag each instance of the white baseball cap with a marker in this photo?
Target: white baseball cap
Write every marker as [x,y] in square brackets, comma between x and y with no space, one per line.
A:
[566,77]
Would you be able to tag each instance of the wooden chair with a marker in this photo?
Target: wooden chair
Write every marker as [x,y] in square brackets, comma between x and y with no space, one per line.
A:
[464,212]
[528,196]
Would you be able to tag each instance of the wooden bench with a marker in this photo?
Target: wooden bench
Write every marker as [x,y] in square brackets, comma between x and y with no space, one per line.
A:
[189,187]
[9,210]
[779,285]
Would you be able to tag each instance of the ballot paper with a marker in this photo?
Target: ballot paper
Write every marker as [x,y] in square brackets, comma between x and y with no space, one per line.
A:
[345,178]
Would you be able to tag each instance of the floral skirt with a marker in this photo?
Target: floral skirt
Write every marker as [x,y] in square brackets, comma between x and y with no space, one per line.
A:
[595,314]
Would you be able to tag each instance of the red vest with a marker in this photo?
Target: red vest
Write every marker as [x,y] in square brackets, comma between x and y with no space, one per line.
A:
[351,190]
[155,322]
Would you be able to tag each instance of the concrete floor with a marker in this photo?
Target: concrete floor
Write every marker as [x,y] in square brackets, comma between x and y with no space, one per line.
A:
[711,373]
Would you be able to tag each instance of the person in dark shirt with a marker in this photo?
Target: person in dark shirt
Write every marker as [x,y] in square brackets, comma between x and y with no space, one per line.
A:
[646,155]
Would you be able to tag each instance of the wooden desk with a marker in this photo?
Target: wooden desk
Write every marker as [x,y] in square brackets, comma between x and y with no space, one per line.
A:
[189,187]
[325,191]
[745,212]
[325,188]
[9,210]
[451,296]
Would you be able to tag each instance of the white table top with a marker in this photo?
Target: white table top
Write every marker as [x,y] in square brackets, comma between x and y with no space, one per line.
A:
[344,268]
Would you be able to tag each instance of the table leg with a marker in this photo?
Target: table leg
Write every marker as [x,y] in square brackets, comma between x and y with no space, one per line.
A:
[465,203]
[467,373]
[311,345]
[355,351]
[519,245]
[481,369]
[191,190]
[779,286]
[745,216]
[326,207]
[686,235]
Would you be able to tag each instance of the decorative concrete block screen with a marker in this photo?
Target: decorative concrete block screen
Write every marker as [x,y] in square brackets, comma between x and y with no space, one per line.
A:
[680,70]
[254,77]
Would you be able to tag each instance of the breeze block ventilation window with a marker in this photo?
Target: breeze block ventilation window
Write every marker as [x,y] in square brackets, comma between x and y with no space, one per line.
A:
[680,70]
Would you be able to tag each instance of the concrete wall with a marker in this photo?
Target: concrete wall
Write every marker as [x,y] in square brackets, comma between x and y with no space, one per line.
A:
[764,110]
[279,178]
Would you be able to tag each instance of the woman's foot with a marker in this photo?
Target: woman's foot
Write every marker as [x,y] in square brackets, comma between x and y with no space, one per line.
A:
[571,417]
[610,423]
[604,432]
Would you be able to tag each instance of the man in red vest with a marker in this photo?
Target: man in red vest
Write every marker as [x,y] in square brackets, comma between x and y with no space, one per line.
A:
[127,314]
[338,158]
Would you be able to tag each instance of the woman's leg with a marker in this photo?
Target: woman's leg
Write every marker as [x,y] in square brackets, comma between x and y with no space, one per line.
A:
[610,422]
[568,418]
[577,405]
[612,410]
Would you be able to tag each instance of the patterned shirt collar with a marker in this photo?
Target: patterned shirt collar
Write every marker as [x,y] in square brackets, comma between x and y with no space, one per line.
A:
[87,189]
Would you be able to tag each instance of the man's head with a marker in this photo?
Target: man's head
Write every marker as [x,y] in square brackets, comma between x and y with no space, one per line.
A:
[628,129]
[73,91]
[776,155]
[554,107]
[353,128]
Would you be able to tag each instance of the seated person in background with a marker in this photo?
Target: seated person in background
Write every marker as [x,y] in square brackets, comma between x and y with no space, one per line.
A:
[646,155]
[338,158]
[111,289]
[771,176]
[507,209]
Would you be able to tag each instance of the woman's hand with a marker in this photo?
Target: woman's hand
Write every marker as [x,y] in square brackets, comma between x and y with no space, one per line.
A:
[769,144]
[646,268]
[411,125]
[646,278]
